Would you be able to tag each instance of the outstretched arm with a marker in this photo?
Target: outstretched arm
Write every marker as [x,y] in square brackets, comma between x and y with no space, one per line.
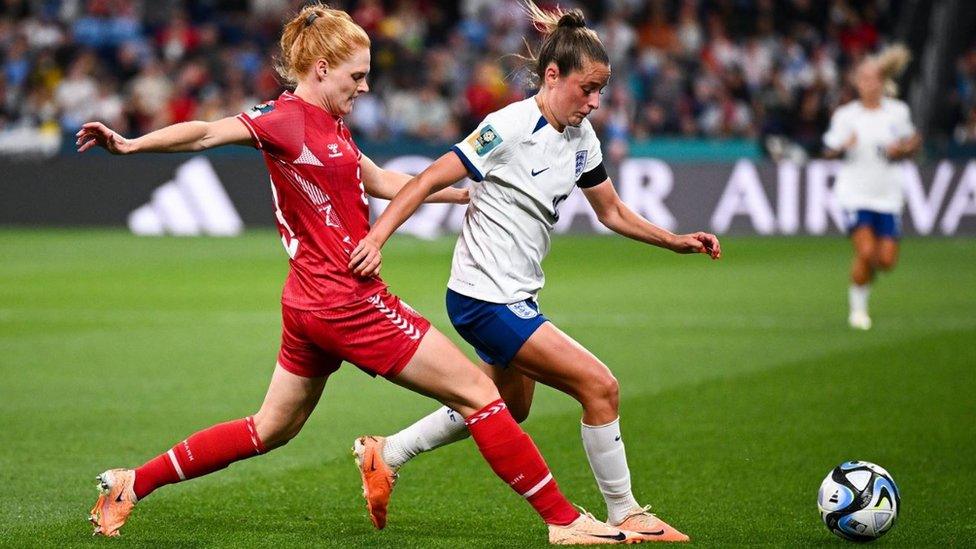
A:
[618,217]
[444,172]
[385,184]
[182,137]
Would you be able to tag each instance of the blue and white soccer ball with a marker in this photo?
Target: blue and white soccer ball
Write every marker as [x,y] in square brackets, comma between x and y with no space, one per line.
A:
[859,501]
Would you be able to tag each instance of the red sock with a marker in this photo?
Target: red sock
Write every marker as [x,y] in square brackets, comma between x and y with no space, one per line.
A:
[515,459]
[201,453]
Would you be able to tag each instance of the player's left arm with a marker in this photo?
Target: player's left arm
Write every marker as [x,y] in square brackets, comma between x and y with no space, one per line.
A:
[385,184]
[904,148]
[910,140]
[618,217]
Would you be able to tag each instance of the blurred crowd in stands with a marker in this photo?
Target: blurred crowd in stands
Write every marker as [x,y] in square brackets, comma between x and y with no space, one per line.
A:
[681,68]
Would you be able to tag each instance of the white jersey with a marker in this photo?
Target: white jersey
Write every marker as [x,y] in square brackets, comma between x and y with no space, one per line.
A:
[868,180]
[523,169]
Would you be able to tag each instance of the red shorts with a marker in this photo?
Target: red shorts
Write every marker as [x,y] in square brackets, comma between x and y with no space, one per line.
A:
[379,334]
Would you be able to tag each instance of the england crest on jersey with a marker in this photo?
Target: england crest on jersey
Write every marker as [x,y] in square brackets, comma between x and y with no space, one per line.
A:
[580,163]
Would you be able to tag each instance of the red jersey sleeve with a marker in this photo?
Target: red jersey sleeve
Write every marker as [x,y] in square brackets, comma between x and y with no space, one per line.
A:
[277,127]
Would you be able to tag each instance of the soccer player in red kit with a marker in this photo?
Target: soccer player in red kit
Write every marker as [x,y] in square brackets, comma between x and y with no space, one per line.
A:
[319,182]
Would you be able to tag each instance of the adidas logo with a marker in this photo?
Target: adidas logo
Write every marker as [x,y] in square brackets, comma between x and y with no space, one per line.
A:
[194,203]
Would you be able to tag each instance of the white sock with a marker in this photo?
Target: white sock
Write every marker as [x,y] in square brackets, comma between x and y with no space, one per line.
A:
[605,451]
[444,426]
[857,296]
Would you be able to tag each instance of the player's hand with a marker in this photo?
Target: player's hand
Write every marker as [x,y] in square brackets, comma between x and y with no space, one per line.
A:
[899,149]
[366,259]
[697,243]
[94,134]
[463,196]
[851,143]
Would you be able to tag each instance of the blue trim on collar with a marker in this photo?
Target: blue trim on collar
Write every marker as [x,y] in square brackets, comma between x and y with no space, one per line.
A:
[472,171]
[540,124]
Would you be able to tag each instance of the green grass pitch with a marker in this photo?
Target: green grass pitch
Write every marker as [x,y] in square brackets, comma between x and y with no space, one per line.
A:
[741,387]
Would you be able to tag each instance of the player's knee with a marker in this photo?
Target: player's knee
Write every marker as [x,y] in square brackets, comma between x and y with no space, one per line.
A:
[886,263]
[602,391]
[865,255]
[475,394]
[275,430]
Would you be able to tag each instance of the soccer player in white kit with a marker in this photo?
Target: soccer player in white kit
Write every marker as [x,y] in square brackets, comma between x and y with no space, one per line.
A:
[525,160]
[872,133]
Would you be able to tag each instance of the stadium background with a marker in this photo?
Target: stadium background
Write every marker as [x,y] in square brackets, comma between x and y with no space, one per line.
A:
[741,385]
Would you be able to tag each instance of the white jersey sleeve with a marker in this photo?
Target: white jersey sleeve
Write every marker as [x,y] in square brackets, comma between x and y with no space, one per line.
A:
[903,127]
[840,130]
[488,147]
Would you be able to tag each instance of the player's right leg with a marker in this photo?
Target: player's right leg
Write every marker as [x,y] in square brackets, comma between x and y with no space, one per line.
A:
[445,426]
[864,243]
[439,370]
[380,458]
[289,402]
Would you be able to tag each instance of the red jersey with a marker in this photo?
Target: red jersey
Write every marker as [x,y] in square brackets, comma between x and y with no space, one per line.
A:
[320,202]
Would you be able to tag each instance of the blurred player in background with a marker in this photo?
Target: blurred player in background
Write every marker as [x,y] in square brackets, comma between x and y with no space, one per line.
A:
[319,183]
[872,133]
[525,159]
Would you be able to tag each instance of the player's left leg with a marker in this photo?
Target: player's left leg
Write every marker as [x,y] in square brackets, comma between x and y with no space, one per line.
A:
[552,357]
[289,402]
[886,255]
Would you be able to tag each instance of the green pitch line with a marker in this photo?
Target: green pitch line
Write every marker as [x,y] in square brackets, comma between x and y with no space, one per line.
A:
[741,387]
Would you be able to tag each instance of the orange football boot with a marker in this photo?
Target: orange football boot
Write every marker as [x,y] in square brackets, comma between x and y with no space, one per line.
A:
[378,477]
[649,527]
[586,530]
[115,501]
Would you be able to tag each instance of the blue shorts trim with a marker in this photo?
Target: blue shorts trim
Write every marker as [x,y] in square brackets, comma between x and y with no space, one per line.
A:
[496,331]
[884,225]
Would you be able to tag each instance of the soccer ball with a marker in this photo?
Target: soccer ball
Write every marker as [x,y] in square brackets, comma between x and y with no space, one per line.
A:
[858,501]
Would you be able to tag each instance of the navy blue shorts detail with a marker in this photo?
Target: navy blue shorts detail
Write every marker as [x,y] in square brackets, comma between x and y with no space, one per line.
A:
[496,331]
[884,225]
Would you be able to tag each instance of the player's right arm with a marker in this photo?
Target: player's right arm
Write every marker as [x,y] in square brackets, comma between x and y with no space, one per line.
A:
[840,136]
[476,155]
[183,137]
[444,172]
[385,184]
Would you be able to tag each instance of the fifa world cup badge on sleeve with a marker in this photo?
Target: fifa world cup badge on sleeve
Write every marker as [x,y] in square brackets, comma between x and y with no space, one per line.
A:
[580,163]
[484,140]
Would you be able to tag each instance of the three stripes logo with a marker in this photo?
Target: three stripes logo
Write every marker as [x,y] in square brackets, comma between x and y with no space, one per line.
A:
[486,414]
[194,203]
[403,324]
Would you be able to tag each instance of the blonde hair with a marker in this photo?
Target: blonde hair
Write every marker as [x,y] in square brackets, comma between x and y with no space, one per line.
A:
[567,40]
[891,62]
[317,31]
